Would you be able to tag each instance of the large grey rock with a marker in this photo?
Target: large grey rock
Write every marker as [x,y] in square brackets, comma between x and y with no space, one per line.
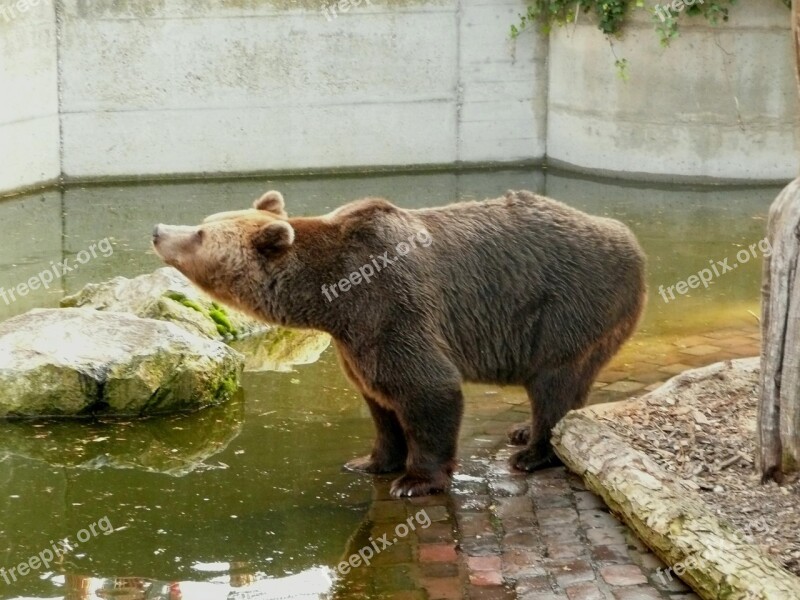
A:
[166,295]
[67,362]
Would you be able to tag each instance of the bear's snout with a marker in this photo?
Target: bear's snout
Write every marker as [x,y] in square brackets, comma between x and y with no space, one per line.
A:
[176,244]
[176,234]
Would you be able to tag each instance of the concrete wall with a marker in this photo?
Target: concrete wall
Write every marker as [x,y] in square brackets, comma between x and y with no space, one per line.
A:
[29,138]
[167,88]
[184,87]
[720,102]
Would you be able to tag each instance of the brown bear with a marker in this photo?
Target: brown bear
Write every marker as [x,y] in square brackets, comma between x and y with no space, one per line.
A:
[517,290]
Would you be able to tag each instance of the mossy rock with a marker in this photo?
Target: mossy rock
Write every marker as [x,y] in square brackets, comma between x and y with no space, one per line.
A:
[83,362]
[167,295]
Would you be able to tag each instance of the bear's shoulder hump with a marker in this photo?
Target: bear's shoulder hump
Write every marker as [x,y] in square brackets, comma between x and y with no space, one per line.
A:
[364,209]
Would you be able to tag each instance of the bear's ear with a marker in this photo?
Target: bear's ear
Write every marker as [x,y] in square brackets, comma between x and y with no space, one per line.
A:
[274,237]
[271,202]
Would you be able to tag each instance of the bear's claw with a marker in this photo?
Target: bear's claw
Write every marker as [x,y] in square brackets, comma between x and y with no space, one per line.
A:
[367,464]
[530,460]
[520,434]
[417,485]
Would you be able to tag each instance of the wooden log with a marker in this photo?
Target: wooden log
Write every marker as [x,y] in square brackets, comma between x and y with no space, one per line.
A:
[778,432]
[709,555]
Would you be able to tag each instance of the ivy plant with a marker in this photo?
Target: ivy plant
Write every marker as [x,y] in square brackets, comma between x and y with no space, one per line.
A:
[611,15]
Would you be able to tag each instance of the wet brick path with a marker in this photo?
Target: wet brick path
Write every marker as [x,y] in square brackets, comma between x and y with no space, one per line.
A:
[505,535]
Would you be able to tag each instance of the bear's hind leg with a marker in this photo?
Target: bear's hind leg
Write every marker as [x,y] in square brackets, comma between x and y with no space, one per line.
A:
[553,392]
[389,451]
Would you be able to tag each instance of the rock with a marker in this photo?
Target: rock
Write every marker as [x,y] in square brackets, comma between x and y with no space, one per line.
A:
[281,349]
[75,362]
[166,295]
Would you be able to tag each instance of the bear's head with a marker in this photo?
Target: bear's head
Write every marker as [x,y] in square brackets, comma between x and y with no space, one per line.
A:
[231,255]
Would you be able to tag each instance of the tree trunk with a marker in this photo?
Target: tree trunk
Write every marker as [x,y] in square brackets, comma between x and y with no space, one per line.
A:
[778,434]
[778,438]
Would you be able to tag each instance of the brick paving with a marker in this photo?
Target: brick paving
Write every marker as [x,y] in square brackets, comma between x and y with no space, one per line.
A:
[504,535]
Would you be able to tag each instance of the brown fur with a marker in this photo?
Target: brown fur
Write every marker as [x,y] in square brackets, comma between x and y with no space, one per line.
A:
[516,290]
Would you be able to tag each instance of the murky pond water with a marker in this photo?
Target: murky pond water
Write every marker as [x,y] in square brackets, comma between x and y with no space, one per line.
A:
[253,490]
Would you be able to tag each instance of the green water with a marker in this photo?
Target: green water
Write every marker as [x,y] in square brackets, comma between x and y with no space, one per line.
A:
[253,489]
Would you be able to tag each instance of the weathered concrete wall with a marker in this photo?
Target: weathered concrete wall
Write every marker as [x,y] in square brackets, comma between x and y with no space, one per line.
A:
[29,139]
[176,88]
[502,103]
[720,102]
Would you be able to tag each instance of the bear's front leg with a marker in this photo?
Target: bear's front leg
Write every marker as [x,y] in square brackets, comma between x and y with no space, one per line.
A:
[389,451]
[419,387]
[431,420]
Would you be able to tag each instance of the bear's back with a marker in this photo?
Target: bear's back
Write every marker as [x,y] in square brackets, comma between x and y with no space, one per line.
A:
[522,272]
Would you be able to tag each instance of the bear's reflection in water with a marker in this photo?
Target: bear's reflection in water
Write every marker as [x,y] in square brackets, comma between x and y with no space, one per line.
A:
[381,558]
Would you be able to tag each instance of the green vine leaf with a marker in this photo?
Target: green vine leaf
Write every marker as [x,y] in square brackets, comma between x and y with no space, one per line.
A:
[612,15]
